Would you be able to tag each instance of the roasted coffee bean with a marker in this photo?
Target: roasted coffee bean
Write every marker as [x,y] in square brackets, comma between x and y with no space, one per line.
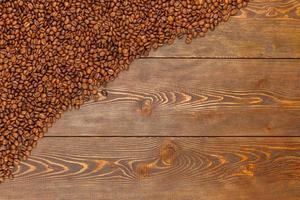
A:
[55,55]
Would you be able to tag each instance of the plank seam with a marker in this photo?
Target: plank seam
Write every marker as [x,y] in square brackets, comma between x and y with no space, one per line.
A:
[175,136]
[219,58]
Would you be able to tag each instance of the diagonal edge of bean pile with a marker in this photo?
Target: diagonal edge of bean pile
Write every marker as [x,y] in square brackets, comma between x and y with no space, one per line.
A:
[56,54]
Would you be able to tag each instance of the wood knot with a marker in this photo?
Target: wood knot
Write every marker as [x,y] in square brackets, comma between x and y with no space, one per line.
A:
[143,170]
[146,108]
[169,152]
[248,170]
[100,164]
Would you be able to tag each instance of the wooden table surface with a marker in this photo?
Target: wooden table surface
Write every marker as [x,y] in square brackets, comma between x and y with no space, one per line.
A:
[218,119]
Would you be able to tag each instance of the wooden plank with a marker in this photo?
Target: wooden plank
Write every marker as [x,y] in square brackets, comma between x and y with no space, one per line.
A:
[205,97]
[265,29]
[159,168]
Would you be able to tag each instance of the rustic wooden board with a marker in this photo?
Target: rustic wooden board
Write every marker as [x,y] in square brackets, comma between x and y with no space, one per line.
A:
[159,168]
[198,97]
[187,95]
[265,29]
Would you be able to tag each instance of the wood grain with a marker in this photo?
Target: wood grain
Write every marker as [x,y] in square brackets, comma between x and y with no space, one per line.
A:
[173,94]
[264,29]
[194,97]
[159,168]
[272,9]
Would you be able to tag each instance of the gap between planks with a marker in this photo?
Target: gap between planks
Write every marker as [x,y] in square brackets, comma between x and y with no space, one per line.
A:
[168,136]
[215,58]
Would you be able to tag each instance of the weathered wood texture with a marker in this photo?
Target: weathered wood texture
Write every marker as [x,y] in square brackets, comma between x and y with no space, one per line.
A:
[159,168]
[265,29]
[194,97]
[186,97]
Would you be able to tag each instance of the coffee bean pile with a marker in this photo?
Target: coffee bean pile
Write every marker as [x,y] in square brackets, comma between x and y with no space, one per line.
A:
[56,54]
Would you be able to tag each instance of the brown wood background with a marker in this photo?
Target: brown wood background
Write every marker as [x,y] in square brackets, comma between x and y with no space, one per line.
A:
[218,119]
